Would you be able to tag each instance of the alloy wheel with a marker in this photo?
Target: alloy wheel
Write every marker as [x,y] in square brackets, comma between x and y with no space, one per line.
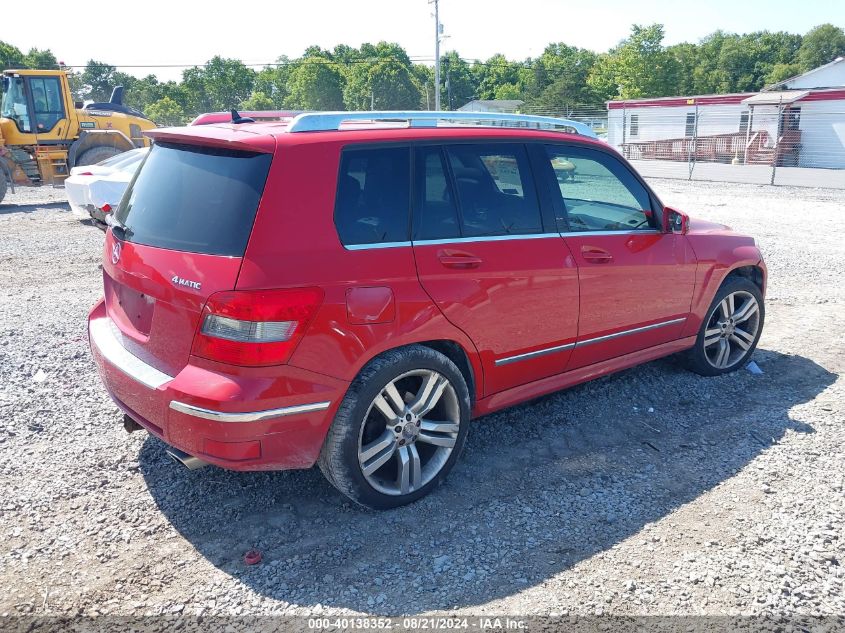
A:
[409,432]
[731,329]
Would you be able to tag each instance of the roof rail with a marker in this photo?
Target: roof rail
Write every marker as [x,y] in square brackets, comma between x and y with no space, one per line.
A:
[326,121]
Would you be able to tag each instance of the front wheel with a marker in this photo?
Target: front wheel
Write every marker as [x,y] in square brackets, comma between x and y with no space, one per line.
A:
[399,430]
[731,329]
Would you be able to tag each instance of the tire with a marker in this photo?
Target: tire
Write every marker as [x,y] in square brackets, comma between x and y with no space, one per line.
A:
[740,332]
[3,185]
[97,154]
[365,449]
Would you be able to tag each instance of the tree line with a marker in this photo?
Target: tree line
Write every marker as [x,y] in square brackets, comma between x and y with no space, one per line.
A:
[562,80]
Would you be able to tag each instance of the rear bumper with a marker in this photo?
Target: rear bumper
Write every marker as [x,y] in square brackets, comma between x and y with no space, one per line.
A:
[237,418]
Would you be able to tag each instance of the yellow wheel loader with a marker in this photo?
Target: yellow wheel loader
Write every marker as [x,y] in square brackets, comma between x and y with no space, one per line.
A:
[43,133]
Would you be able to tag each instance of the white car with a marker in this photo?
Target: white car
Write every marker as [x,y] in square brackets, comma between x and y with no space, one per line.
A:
[95,190]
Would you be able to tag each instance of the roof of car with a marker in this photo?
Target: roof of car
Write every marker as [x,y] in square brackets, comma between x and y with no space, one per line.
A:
[264,136]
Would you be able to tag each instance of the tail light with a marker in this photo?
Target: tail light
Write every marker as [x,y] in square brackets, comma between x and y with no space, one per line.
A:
[106,208]
[255,328]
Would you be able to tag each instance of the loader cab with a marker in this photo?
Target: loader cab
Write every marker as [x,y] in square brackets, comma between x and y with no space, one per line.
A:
[34,103]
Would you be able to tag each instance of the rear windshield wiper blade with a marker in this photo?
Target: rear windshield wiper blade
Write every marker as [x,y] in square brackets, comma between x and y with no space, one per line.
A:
[119,230]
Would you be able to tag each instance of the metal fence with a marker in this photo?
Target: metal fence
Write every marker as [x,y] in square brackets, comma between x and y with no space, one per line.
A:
[799,144]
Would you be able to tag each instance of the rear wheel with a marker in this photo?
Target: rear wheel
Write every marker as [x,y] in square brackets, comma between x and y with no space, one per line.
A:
[3,185]
[97,154]
[399,430]
[731,329]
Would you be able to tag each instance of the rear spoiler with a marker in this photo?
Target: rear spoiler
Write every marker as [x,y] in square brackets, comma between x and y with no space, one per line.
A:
[214,136]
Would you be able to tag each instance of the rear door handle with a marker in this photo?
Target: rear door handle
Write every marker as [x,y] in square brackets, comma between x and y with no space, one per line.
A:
[459,261]
[596,255]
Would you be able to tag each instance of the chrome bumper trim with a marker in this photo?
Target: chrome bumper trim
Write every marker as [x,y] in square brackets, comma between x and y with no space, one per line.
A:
[107,342]
[249,416]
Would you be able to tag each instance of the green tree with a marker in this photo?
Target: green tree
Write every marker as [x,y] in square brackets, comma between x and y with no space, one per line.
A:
[424,78]
[315,84]
[493,73]
[458,85]
[96,81]
[565,70]
[821,45]
[41,60]
[10,56]
[638,67]
[166,111]
[224,83]
[272,81]
[381,78]
[258,101]
[782,72]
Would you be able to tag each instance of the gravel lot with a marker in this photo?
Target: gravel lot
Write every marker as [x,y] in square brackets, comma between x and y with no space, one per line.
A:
[650,492]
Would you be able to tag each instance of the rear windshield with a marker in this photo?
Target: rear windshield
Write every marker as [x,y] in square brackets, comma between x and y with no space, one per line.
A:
[194,199]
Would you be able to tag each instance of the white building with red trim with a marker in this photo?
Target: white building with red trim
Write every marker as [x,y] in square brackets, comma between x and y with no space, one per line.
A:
[797,123]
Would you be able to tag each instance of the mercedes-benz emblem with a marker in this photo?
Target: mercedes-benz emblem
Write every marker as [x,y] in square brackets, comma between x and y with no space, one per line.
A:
[115,252]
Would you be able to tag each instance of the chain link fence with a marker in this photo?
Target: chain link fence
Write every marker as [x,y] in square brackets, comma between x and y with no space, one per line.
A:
[798,144]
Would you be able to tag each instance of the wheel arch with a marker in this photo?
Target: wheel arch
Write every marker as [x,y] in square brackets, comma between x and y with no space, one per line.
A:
[96,138]
[753,272]
[458,355]
[747,264]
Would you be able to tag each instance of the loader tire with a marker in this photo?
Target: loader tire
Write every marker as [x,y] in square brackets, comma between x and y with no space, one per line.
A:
[97,154]
[3,185]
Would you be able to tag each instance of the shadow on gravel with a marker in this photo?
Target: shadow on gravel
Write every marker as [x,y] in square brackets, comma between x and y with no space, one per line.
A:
[539,488]
[9,208]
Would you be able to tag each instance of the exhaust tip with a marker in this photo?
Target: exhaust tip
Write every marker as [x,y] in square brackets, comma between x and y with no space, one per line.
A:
[188,461]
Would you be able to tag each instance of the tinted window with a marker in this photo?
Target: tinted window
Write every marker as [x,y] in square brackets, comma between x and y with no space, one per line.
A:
[373,194]
[495,190]
[599,193]
[437,212]
[194,199]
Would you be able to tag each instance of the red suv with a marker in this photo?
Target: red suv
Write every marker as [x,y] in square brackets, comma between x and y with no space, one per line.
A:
[351,289]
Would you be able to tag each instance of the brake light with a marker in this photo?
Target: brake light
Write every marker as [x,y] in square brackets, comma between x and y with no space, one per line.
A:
[85,173]
[255,328]
[106,208]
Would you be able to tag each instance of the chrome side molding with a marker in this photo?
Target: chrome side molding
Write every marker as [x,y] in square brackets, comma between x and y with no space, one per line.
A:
[589,341]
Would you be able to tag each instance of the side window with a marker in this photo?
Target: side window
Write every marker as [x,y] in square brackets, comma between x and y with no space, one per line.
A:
[599,193]
[437,212]
[495,190]
[47,99]
[373,191]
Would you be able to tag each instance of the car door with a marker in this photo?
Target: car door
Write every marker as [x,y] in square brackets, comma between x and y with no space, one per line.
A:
[636,281]
[491,262]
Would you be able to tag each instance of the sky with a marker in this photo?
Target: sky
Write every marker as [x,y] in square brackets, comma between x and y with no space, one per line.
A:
[190,32]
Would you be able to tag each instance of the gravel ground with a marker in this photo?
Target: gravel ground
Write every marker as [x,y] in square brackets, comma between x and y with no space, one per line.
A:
[650,492]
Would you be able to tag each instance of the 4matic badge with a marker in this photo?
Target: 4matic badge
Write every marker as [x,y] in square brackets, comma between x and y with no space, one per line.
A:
[177,280]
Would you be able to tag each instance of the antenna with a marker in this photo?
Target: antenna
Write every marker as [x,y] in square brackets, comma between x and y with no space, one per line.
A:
[237,118]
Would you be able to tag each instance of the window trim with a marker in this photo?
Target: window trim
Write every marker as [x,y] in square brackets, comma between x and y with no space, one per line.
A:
[656,206]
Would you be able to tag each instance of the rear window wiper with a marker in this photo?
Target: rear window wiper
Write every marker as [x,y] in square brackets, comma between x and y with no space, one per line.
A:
[119,230]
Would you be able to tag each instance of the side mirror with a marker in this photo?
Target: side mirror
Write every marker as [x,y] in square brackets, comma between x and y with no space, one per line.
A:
[675,221]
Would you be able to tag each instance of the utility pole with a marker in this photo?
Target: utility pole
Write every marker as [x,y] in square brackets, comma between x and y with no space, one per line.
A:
[438,31]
